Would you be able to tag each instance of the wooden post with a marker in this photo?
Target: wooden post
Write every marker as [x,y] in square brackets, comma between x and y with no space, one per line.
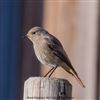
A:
[44,88]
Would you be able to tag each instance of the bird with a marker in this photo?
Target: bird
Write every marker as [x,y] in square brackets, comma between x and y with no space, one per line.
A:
[49,51]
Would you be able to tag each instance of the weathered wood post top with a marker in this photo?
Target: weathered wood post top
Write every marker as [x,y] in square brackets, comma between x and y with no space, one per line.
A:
[44,88]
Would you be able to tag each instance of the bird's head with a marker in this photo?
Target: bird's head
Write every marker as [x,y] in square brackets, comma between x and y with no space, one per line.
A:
[36,33]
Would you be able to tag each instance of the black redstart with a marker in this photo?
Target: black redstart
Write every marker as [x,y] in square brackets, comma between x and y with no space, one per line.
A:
[49,51]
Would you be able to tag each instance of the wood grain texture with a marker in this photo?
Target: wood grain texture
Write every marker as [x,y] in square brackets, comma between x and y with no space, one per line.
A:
[40,88]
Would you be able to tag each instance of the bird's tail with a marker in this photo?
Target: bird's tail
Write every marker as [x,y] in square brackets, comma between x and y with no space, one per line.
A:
[73,73]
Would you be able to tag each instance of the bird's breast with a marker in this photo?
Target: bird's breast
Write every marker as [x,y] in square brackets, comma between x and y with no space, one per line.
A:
[45,55]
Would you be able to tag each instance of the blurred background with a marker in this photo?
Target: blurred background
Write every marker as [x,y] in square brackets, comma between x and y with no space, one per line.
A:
[76,23]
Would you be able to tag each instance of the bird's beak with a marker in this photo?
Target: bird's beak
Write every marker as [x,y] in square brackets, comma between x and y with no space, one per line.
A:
[28,36]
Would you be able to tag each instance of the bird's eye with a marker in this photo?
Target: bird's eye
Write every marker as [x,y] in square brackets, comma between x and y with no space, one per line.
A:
[33,32]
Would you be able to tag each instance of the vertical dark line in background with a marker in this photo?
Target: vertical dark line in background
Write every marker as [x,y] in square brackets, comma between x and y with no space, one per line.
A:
[5,49]
[98,56]
[32,16]
[10,30]
[16,49]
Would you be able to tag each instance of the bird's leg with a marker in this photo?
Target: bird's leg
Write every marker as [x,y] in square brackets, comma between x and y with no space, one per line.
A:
[53,71]
[49,71]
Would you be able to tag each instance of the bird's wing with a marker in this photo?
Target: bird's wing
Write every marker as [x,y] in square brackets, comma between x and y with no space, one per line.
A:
[58,50]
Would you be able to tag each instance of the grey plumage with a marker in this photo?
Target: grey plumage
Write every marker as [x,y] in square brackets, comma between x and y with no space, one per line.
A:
[50,51]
